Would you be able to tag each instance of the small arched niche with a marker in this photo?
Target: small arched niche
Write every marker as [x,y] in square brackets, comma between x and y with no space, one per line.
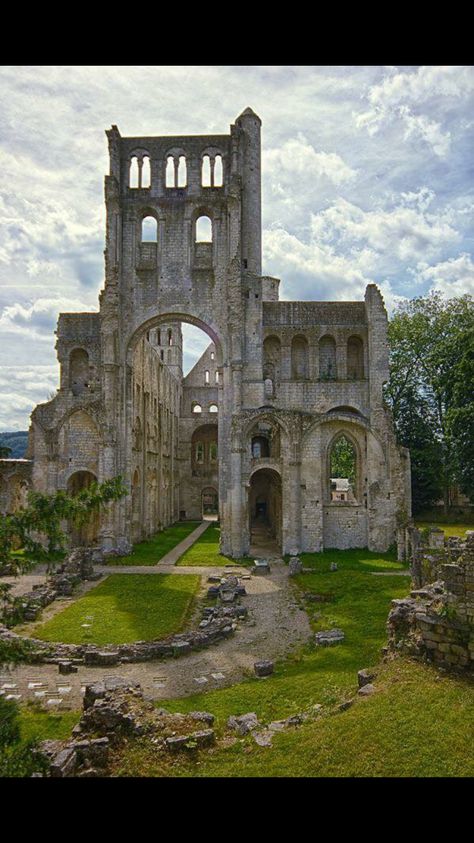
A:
[355,359]
[299,359]
[79,371]
[327,358]
[272,360]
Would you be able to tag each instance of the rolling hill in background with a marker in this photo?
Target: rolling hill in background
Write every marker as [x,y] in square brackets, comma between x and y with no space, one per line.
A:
[17,441]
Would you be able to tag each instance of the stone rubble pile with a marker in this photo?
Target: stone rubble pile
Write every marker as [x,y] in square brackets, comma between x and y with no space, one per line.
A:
[77,568]
[114,709]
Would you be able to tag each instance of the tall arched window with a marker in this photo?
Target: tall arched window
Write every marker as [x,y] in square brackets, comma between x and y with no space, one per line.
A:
[355,358]
[299,358]
[206,171]
[260,447]
[182,172]
[343,471]
[218,171]
[203,230]
[146,172]
[327,358]
[149,230]
[206,376]
[133,174]
[170,172]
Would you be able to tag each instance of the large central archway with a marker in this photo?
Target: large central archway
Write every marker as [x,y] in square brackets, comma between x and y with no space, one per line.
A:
[146,421]
[265,513]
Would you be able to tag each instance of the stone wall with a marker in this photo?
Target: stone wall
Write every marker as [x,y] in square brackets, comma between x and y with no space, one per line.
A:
[15,481]
[437,621]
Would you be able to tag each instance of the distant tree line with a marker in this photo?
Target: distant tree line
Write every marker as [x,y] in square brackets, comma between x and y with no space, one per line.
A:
[431,394]
[13,444]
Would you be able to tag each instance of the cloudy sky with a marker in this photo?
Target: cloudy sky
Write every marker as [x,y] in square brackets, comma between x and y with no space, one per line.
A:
[367,176]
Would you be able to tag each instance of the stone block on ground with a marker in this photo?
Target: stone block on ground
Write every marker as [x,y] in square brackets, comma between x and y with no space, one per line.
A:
[295,566]
[264,667]
[66,667]
[243,723]
[261,566]
[364,677]
[329,637]
[366,690]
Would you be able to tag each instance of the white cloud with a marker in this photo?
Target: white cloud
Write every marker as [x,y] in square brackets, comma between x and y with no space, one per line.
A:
[453,277]
[408,233]
[400,96]
[298,158]
[39,318]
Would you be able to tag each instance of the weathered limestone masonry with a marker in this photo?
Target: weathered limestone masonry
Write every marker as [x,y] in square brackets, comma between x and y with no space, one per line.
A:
[288,379]
[15,480]
[437,621]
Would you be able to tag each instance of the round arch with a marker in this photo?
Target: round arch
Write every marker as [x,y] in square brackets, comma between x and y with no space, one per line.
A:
[154,320]
[265,509]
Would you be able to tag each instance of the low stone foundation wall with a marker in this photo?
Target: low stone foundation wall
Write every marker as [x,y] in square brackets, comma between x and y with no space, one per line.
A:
[217,623]
[139,651]
[437,621]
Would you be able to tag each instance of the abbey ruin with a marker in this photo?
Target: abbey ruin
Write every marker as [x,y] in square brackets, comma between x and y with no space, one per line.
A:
[250,432]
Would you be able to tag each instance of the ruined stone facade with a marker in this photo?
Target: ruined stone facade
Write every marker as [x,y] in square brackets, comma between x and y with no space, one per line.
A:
[287,378]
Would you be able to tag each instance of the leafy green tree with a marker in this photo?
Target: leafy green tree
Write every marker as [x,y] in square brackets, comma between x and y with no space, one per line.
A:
[38,528]
[343,460]
[428,340]
[5,452]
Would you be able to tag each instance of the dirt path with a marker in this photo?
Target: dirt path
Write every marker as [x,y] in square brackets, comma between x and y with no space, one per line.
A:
[275,626]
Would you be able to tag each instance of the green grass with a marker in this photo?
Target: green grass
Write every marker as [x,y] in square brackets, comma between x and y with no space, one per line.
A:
[449,529]
[151,551]
[205,551]
[418,723]
[45,725]
[125,608]
[359,605]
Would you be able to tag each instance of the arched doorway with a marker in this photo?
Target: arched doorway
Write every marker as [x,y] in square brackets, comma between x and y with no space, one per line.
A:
[86,534]
[265,512]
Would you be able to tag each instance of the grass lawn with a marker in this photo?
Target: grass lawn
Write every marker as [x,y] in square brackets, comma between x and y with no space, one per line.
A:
[416,724]
[151,551]
[125,608]
[46,725]
[205,551]
[359,605]
[449,529]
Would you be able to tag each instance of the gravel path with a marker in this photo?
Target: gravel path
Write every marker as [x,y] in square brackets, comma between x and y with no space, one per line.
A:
[275,626]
